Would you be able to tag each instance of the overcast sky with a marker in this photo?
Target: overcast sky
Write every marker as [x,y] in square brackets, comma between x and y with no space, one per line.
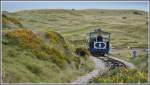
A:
[13,6]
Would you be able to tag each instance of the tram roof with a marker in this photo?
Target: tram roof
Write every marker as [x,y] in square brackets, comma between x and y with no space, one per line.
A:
[99,31]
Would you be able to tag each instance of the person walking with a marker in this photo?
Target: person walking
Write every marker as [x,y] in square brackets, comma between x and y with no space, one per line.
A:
[133,52]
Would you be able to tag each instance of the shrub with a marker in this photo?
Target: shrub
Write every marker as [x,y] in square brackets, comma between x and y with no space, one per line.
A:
[54,37]
[30,55]
[34,69]
[80,52]
[138,13]
[124,17]
[12,53]
[146,23]
[73,9]
[25,38]
[57,57]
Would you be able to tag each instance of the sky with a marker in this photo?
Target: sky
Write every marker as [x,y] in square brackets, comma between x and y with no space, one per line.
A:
[13,6]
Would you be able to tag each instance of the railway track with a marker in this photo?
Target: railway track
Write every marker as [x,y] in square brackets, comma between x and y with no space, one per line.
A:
[112,63]
[102,65]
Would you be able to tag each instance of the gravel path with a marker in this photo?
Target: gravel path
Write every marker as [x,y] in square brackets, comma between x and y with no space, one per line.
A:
[100,68]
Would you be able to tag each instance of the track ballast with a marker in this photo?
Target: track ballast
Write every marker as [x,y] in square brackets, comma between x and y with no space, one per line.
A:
[112,63]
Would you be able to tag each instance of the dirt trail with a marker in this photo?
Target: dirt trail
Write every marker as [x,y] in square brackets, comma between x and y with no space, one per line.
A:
[100,68]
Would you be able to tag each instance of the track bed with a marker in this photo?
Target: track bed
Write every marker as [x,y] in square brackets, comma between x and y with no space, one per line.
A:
[103,65]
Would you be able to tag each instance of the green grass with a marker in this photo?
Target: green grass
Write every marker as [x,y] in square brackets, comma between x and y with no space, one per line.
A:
[40,54]
[122,76]
[10,22]
[27,57]
[75,24]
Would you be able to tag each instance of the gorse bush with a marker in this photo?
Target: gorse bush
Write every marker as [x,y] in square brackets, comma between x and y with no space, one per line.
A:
[24,38]
[54,37]
[57,57]
[58,41]
[29,40]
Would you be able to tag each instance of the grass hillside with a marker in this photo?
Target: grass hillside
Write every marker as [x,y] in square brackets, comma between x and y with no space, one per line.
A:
[125,26]
[38,45]
[10,22]
[40,57]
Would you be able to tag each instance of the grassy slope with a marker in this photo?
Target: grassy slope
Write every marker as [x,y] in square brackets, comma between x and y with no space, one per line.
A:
[125,26]
[40,57]
[10,22]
